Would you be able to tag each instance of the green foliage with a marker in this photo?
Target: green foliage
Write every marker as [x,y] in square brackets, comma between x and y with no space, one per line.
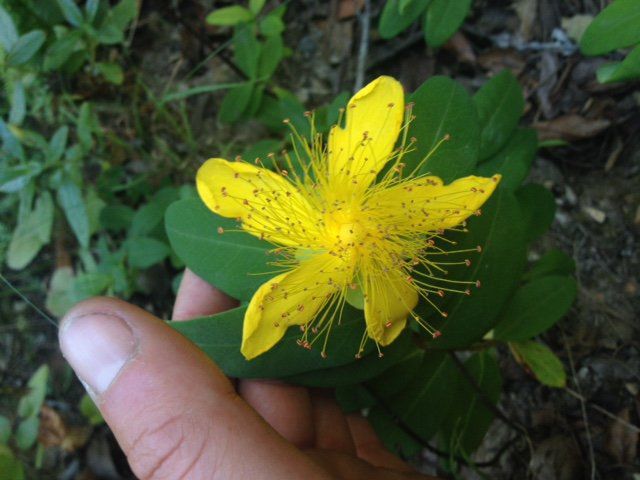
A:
[441,18]
[616,27]
[541,362]
[446,129]
[422,388]
[258,49]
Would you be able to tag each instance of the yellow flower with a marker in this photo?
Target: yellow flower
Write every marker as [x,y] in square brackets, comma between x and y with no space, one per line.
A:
[341,235]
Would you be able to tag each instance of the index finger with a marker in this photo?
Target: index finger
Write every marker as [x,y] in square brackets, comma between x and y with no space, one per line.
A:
[197,298]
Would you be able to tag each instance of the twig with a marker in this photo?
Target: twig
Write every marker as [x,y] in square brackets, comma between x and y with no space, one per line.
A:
[583,408]
[365,21]
[484,398]
[416,437]
[601,410]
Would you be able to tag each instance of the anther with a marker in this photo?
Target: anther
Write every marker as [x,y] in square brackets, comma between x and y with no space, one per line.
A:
[477,213]
[323,354]
[447,137]
[445,314]
[387,325]
[479,248]
[286,121]
[467,262]
[436,334]
[478,284]
[220,230]
[440,293]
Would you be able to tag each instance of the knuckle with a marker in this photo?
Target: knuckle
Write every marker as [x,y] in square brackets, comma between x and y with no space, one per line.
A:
[174,449]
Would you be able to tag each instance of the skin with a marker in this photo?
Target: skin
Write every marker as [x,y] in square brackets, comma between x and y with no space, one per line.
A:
[177,416]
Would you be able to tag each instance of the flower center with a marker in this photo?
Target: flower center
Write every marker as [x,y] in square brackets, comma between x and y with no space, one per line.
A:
[344,233]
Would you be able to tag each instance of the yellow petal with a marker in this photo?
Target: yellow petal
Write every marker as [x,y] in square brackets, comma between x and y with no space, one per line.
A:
[387,304]
[292,298]
[268,205]
[358,151]
[426,205]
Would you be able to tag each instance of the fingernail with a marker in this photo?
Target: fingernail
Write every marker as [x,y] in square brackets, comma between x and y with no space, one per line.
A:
[97,346]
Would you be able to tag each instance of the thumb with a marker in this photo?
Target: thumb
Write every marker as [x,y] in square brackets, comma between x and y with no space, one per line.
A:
[172,410]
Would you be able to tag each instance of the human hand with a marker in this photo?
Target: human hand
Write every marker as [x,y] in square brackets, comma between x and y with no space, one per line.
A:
[176,416]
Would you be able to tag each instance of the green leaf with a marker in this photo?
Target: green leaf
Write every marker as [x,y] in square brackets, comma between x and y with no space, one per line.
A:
[122,14]
[443,19]
[116,218]
[193,231]
[499,231]
[393,20]
[5,430]
[60,50]
[541,361]
[554,262]
[270,57]
[443,107]
[85,124]
[219,336]
[146,251]
[513,162]
[147,218]
[71,12]
[29,405]
[72,203]
[235,103]
[628,69]
[112,72]
[423,404]
[469,417]
[359,371]
[617,26]
[58,299]
[10,467]
[109,34]
[229,16]
[392,435]
[14,179]
[91,9]
[535,307]
[27,432]
[255,6]
[8,32]
[247,51]
[500,104]
[18,104]
[271,25]
[88,285]
[25,48]
[90,411]
[57,144]
[538,209]
[31,234]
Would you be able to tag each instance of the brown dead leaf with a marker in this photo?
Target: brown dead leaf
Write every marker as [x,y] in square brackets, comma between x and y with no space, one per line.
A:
[576,25]
[622,441]
[497,59]
[571,127]
[349,8]
[461,48]
[527,13]
[614,155]
[53,431]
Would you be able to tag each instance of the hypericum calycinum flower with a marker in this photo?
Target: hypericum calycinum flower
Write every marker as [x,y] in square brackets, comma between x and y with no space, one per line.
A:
[341,235]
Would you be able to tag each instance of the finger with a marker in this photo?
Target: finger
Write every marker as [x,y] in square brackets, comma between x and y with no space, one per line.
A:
[331,428]
[197,298]
[286,408]
[172,410]
[370,448]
